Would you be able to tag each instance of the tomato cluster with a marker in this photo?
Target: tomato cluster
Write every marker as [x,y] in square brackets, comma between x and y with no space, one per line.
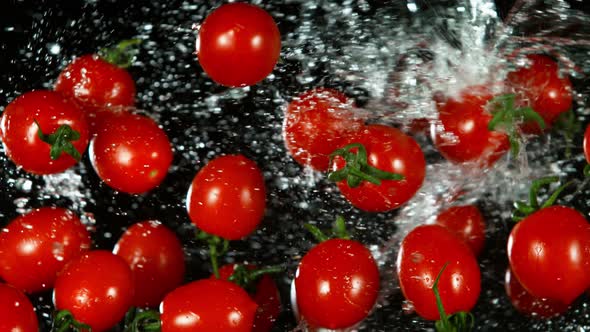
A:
[376,167]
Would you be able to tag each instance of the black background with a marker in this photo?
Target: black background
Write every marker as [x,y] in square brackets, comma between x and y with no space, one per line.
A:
[170,84]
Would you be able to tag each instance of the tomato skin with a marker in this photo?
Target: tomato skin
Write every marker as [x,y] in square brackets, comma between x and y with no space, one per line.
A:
[466,222]
[316,123]
[130,152]
[35,246]
[266,295]
[208,305]
[97,289]
[587,144]
[238,44]
[549,253]
[422,255]
[540,86]
[465,137]
[227,197]
[19,131]
[527,304]
[18,312]
[336,284]
[388,149]
[155,255]
[95,83]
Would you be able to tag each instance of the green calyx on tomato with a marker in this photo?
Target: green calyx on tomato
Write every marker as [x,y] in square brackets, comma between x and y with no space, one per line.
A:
[357,169]
[217,247]
[65,321]
[338,231]
[523,209]
[245,278]
[506,116]
[142,321]
[60,141]
[122,54]
[458,322]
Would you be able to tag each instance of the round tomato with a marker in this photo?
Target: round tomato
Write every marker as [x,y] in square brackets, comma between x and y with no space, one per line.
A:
[238,44]
[423,253]
[336,284]
[208,305]
[389,150]
[156,258]
[227,197]
[587,144]
[18,312]
[464,135]
[265,294]
[466,222]
[35,246]
[130,152]
[540,86]
[316,123]
[528,304]
[52,112]
[95,83]
[97,289]
[549,253]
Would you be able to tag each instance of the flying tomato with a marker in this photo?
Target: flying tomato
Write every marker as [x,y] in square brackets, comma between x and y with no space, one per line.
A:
[316,123]
[43,132]
[238,44]
[227,197]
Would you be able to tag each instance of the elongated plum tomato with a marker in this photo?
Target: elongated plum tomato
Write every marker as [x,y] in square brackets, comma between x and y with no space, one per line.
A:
[336,284]
[316,123]
[130,152]
[549,253]
[156,257]
[265,294]
[423,253]
[96,83]
[466,222]
[464,136]
[238,44]
[227,197]
[18,312]
[208,305]
[35,246]
[527,304]
[19,131]
[390,150]
[587,144]
[97,289]
[540,86]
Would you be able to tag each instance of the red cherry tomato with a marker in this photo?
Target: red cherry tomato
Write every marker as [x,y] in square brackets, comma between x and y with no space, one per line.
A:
[316,123]
[238,44]
[95,83]
[549,253]
[18,314]
[266,295]
[227,197]
[390,150]
[422,255]
[97,289]
[156,258]
[540,86]
[587,144]
[19,131]
[336,284]
[208,305]
[529,305]
[465,136]
[467,223]
[130,152]
[35,246]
